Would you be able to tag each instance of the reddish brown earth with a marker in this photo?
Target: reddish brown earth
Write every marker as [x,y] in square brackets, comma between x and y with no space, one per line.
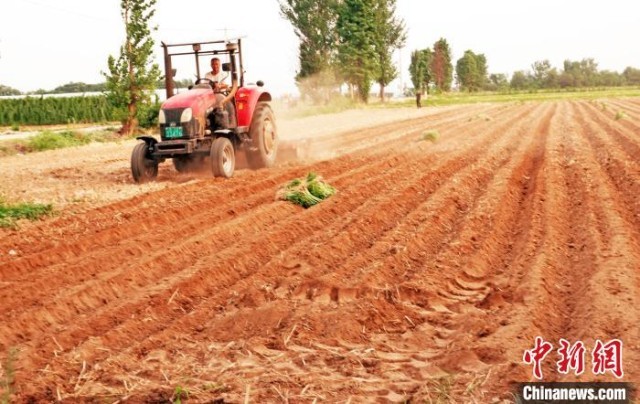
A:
[424,278]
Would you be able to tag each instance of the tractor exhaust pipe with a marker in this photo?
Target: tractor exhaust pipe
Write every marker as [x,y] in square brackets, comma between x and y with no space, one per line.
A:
[232,48]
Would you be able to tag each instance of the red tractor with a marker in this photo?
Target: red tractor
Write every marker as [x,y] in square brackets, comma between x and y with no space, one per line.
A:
[209,121]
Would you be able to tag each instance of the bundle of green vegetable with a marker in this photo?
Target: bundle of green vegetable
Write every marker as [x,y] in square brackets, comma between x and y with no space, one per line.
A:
[306,192]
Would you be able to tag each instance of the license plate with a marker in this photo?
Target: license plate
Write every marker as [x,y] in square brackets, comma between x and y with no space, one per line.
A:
[173,132]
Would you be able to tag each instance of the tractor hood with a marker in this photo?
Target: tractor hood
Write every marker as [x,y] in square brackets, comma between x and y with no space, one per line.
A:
[198,99]
[188,112]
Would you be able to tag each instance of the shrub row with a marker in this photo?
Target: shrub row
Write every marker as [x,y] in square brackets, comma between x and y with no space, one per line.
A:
[56,110]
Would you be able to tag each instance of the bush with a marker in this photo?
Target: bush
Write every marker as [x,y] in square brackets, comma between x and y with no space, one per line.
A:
[49,140]
[148,115]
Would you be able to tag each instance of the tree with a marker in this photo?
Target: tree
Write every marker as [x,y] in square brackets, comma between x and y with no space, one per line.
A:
[132,77]
[467,72]
[441,65]
[571,74]
[541,70]
[520,80]
[553,79]
[390,35]
[356,27]
[314,23]
[419,72]
[498,81]
[589,69]
[566,80]
[584,72]
[631,76]
[6,90]
[483,70]
[608,78]
[471,71]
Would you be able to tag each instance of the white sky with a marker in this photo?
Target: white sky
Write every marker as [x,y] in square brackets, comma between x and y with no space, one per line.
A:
[46,43]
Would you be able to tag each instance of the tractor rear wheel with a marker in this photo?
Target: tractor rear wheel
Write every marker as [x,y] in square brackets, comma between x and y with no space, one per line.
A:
[223,159]
[264,136]
[143,168]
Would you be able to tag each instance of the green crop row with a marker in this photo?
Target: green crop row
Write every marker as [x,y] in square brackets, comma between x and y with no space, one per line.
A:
[56,110]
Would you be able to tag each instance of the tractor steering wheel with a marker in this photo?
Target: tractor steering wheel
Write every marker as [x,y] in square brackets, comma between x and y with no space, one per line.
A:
[206,81]
[213,84]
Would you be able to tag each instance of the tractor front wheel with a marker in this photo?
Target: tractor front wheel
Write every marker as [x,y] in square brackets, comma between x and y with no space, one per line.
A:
[264,137]
[143,168]
[223,158]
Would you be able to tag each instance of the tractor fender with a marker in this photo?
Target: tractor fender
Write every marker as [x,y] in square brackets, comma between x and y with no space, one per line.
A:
[247,98]
[150,141]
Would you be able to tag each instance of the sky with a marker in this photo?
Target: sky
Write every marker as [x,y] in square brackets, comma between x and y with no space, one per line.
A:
[46,43]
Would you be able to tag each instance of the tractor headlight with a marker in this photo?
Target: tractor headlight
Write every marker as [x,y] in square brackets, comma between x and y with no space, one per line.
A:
[186,116]
[162,118]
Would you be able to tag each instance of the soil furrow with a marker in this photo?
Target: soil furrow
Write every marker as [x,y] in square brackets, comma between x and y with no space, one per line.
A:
[240,275]
[119,215]
[141,244]
[622,132]
[432,269]
[470,283]
[196,320]
[615,259]
[516,310]
[625,105]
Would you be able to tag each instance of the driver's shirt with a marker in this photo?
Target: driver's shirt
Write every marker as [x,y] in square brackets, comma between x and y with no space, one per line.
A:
[219,78]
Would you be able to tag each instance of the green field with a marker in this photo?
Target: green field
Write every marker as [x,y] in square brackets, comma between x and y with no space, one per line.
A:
[342,103]
[537,95]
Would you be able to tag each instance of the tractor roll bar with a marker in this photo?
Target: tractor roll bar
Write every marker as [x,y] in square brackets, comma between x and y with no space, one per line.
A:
[197,52]
[201,43]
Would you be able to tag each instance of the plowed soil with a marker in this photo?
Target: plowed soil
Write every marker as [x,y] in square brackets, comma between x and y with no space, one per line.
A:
[425,277]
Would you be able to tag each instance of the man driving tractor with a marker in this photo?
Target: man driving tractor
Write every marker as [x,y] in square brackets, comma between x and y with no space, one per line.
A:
[217,79]
[217,75]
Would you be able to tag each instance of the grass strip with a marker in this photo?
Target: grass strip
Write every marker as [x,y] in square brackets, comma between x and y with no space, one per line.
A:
[48,140]
[11,213]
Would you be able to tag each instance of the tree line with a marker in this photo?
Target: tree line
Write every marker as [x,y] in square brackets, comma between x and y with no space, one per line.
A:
[80,87]
[471,75]
[345,42]
[71,87]
[433,70]
[574,74]
[6,90]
